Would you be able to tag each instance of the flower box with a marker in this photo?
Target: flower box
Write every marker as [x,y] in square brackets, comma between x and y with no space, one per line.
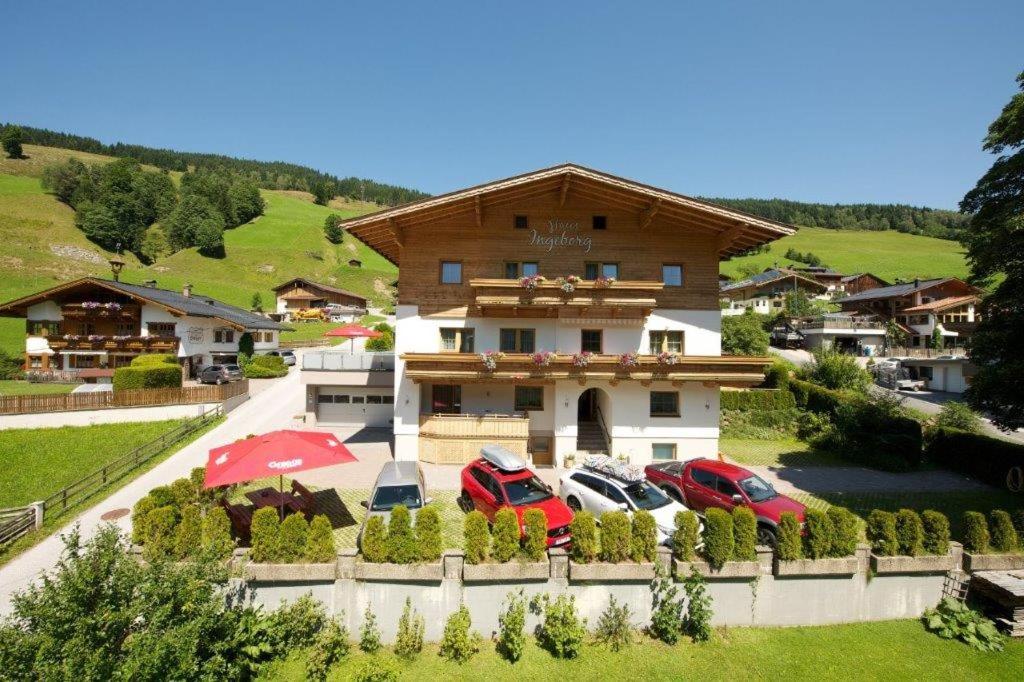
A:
[731,569]
[400,573]
[832,566]
[290,573]
[506,572]
[931,563]
[604,572]
[993,562]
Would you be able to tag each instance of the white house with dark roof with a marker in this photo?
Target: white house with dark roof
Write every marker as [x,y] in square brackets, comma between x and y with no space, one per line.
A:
[765,292]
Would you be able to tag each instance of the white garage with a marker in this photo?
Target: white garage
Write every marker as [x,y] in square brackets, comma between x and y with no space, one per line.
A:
[355,406]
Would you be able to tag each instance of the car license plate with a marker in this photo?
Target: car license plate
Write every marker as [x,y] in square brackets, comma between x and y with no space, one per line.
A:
[561,541]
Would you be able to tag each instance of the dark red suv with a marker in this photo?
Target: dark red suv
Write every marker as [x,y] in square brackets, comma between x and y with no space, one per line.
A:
[703,483]
[501,479]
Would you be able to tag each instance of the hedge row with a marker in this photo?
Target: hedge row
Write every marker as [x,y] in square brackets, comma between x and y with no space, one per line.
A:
[760,400]
[907,533]
[176,521]
[998,532]
[151,370]
[831,533]
[992,460]
[400,542]
[292,540]
[264,367]
[621,537]
[505,542]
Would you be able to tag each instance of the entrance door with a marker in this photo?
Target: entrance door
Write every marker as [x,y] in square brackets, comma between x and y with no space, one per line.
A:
[586,410]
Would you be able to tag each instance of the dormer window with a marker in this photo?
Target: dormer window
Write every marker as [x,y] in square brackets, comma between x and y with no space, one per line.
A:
[600,222]
[522,222]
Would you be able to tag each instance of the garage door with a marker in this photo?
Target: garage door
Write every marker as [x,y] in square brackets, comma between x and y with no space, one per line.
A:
[355,407]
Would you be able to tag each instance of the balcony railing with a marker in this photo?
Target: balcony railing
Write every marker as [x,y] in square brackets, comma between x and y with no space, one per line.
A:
[338,361]
[829,323]
[102,310]
[115,343]
[500,296]
[925,352]
[457,438]
[723,370]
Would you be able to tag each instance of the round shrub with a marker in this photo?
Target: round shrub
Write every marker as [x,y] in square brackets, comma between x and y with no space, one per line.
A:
[561,631]
[184,492]
[293,534]
[330,646]
[844,531]
[374,543]
[881,533]
[160,525]
[265,367]
[976,537]
[401,540]
[266,535]
[1004,535]
[936,532]
[320,541]
[644,533]
[535,526]
[744,533]
[150,359]
[506,535]
[189,533]
[458,643]
[909,533]
[684,539]
[428,533]
[583,529]
[818,541]
[216,533]
[718,536]
[139,513]
[790,545]
[378,669]
[616,537]
[162,496]
[477,537]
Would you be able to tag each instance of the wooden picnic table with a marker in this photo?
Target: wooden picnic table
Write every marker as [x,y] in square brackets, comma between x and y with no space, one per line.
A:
[269,497]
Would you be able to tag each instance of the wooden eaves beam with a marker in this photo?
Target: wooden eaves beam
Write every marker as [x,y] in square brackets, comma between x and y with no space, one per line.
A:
[397,231]
[648,215]
[564,191]
[479,207]
[726,239]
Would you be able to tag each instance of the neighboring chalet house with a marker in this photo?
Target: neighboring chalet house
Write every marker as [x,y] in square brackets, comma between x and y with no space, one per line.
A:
[93,323]
[822,275]
[920,307]
[843,332]
[487,352]
[300,293]
[862,281]
[765,292]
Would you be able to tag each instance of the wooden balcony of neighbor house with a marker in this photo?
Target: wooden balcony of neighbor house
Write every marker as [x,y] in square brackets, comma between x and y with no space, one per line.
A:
[457,438]
[455,368]
[509,297]
[96,310]
[126,344]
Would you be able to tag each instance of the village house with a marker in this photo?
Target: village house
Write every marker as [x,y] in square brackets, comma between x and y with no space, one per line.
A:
[561,311]
[301,294]
[96,325]
[765,292]
[822,275]
[862,281]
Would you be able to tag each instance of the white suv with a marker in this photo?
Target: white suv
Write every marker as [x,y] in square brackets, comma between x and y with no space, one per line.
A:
[602,484]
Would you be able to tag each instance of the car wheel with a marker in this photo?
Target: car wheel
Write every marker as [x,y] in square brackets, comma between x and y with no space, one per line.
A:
[465,502]
[766,536]
[573,504]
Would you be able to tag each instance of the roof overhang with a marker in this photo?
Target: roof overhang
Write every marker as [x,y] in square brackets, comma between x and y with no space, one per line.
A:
[384,231]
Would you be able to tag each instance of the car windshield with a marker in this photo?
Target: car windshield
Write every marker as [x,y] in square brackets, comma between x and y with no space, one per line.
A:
[388,497]
[643,495]
[526,491]
[231,368]
[758,489]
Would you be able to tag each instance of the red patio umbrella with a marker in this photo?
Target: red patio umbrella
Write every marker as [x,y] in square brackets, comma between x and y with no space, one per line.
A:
[353,332]
[277,452]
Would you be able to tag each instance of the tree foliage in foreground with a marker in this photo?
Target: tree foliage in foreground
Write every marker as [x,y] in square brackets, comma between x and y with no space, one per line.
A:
[744,334]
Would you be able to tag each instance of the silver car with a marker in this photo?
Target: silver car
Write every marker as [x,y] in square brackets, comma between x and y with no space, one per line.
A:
[219,374]
[287,356]
[398,483]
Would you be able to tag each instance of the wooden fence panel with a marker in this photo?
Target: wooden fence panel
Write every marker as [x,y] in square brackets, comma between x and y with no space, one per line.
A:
[138,397]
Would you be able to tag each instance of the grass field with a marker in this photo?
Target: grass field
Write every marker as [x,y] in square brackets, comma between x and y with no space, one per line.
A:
[8,387]
[888,254]
[787,452]
[307,331]
[889,650]
[35,463]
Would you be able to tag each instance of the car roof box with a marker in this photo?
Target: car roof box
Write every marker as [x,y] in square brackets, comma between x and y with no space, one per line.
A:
[502,458]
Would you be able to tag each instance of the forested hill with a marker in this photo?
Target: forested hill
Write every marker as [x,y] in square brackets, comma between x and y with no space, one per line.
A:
[910,219]
[268,174]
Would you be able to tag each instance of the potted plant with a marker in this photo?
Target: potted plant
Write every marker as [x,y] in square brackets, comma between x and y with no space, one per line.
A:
[568,283]
[542,358]
[603,282]
[668,358]
[629,360]
[581,360]
[531,282]
[490,359]
[569,461]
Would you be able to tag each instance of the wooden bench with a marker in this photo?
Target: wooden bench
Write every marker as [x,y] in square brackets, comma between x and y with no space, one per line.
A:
[240,516]
[308,500]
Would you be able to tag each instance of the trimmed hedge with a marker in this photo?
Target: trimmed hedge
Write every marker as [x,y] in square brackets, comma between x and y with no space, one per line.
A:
[265,367]
[976,537]
[936,532]
[506,535]
[401,541]
[535,527]
[374,543]
[718,536]
[909,533]
[845,529]
[645,536]
[147,376]
[428,533]
[757,399]
[216,533]
[817,398]
[819,540]
[1004,535]
[989,459]
[616,537]
[684,539]
[583,529]
[881,533]
[790,543]
[477,537]
[744,533]
[266,535]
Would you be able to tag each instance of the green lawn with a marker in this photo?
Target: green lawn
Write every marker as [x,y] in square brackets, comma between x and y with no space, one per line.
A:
[785,452]
[308,331]
[35,463]
[890,650]
[10,387]
[888,254]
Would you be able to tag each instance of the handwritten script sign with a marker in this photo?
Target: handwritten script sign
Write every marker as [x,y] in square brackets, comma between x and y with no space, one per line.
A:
[561,234]
[195,334]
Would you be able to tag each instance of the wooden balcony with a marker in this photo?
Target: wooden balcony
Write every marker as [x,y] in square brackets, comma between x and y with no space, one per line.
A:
[130,344]
[78,311]
[457,438]
[508,298]
[459,368]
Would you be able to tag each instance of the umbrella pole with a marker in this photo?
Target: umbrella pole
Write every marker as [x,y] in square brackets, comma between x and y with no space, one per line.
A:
[280,489]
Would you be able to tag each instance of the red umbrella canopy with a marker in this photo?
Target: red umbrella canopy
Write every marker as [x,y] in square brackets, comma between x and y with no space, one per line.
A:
[353,331]
[272,454]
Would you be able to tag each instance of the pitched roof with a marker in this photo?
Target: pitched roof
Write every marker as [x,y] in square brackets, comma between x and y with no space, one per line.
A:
[850,278]
[895,290]
[317,285]
[767,277]
[383,231]
[196,305]
[941,304]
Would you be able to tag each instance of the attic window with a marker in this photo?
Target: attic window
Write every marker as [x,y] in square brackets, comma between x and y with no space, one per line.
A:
[521,222]
[600,222]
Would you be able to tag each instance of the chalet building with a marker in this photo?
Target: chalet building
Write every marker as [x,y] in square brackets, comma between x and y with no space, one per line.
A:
[862,281]
[560,311]
[921,307]
[98,324]
[300,293]
[822,275]
[765,292]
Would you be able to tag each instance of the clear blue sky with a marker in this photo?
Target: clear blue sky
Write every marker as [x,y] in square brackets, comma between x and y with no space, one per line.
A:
[856,101]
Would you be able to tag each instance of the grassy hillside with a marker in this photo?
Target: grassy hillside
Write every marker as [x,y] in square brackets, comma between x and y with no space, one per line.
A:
[888,254]
[42,247]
